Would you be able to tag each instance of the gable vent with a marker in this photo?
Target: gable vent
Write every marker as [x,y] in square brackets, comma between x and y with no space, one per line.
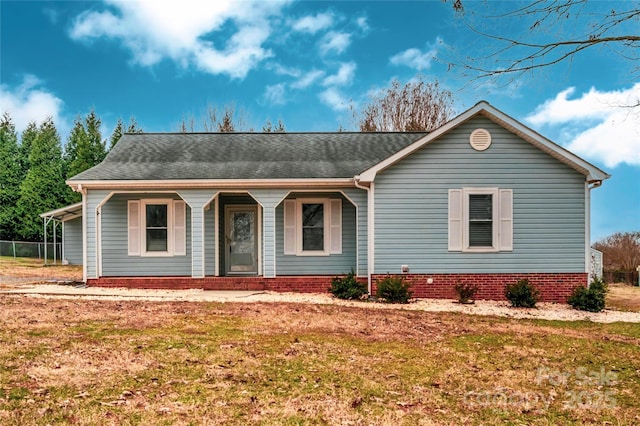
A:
[480,139]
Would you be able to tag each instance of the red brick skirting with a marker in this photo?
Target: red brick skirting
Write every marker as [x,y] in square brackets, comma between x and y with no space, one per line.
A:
[298,284]
[554,287]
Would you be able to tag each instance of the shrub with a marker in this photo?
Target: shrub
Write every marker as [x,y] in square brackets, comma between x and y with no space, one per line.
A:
[522,294]
[348,287]
[592,298]
[393,290]
[466,292]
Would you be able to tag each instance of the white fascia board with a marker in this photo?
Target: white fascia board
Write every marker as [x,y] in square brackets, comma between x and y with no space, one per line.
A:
[213,183]
[591,172]
[73,210]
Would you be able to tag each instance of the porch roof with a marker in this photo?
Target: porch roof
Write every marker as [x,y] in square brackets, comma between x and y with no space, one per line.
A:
[64,213]
[237,156]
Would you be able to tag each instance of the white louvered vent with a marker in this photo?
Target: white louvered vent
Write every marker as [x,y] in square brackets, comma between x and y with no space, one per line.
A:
[480,139]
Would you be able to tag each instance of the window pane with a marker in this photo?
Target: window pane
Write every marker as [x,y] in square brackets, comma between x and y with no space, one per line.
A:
[156,215]
[480,234]
[313,215]
[313,227]
[156,240]
[480,206]
[313,239]
[480,220]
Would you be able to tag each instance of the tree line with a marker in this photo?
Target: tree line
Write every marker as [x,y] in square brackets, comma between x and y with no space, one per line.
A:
[34,165]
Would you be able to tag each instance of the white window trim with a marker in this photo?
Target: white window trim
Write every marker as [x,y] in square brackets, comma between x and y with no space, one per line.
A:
[326,231]
[143,228]
[495,219]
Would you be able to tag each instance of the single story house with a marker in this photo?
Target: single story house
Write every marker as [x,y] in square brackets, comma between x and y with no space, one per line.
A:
[482,199]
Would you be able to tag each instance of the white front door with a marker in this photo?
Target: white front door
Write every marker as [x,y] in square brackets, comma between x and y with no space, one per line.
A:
[241,255]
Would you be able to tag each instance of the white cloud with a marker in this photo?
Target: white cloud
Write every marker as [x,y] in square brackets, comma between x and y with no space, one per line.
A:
[416,58]
[333,98]
[362,23]
[609,125]
[307,79]
[343,77]
[275,94]
[313,24]
[30,102]
[335,42]
[189,32]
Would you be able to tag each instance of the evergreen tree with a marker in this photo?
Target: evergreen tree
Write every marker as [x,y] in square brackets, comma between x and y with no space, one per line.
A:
[28,136]
[117,134]
[97,145]
[78,157]
[43,187]
[133,126]
[10,177]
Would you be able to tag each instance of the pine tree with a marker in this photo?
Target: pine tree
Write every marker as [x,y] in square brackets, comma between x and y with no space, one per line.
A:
[28,136]
[117,134]
[98,146]
[133,126]
[43,187]
[10,177]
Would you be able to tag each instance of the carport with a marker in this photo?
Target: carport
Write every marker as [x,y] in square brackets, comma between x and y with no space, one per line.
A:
[55,217]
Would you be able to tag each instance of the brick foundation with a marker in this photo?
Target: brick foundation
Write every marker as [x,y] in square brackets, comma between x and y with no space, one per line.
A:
[553,287]
[298,284]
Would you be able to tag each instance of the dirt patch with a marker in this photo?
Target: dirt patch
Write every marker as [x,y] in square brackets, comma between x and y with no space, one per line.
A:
[624,297]
[25,271]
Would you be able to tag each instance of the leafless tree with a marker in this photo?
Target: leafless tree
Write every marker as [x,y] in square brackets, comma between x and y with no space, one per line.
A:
[225,120]
[547,42]
[620,251]
[414,106]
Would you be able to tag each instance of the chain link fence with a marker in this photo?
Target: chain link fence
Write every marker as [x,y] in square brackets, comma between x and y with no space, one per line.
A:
[27,249]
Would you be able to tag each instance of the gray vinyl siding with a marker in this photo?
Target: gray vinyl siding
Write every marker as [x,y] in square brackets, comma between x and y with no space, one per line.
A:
[210,241]
[94,197]
[359,197]
[72,241]
[411,210]
[116,261]
[320,265]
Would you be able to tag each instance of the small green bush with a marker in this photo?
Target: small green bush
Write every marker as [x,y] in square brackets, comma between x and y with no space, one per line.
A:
[348,287]
[592,298]
[393,290]
[465,292]
[522,294]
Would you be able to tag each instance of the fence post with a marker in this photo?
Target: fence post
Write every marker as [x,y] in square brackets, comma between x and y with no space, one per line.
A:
[13,243]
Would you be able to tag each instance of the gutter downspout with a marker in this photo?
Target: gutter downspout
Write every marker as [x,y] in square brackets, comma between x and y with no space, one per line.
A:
[370,235]
[588,186]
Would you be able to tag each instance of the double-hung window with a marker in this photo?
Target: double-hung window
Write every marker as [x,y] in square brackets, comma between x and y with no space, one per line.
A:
[312,226]
[156,227]
[480,219]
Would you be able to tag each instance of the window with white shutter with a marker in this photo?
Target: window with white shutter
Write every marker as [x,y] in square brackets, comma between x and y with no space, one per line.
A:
[312,226]
[480,220]
[157,227]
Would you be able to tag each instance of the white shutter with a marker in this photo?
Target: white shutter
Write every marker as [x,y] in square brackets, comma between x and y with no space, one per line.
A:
[133,227]
[455,220]
[506,220]
[289,226]
[335,220]
[179,228]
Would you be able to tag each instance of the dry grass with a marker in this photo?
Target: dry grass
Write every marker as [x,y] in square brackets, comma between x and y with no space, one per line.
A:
[26,268]
[623,297]
[98,362]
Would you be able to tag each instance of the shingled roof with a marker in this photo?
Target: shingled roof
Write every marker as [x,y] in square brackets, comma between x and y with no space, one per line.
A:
[172,156]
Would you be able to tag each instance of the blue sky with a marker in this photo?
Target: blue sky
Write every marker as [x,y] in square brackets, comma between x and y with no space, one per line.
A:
[304,63]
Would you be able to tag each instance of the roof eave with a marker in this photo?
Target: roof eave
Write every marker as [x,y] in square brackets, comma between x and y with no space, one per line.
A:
[211,183]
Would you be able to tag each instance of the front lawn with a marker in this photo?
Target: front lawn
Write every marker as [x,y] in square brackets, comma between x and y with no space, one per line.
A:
[99,362]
